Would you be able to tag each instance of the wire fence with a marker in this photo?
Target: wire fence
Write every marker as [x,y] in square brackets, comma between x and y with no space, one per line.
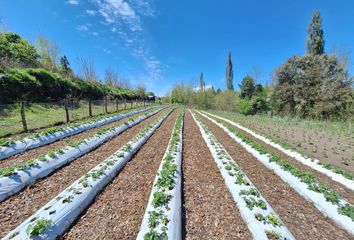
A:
[25,116]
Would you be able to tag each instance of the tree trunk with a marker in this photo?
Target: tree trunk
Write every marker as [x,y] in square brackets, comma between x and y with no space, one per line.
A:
[117,105]
[105,105]
[125,104]
[66,103]
[23,117]
[90,107]
[350,127]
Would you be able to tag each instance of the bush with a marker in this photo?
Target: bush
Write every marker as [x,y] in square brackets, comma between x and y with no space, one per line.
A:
[246,107]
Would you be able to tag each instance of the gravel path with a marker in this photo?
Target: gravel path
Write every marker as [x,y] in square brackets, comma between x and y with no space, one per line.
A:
[342,190]
[210,212]
[34,153]
[299,215]
[19,207]
[118,211]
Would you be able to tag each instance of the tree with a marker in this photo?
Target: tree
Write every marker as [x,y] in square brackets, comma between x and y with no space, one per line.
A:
[202,82]
[111,78]
[65,66]
[49,53]
[315,41]
[247,87]
[16,51]
[229,74]
[312,85]
[87,69]
[218,91]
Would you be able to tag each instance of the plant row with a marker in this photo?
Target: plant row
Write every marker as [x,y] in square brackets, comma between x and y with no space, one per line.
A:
[259,216]
[336,173]
[58,214]
[15,146]
[162,218]
[16,177]
[326,199]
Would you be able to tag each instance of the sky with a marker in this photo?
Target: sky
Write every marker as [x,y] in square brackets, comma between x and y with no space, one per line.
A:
[159,43]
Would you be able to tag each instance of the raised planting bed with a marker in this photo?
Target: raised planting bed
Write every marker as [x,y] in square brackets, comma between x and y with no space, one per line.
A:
[162,218]
[15,178]
[58,214]
[324,198]
[10,148]
[259,216]
[337,174]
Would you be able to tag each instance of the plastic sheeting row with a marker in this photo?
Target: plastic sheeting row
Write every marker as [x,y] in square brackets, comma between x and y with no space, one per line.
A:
[62,210]
[31,143]
[14,183]
[242,190]
[327,208]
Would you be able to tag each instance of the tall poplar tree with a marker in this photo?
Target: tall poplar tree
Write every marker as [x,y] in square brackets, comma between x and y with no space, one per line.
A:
[229,76]
[315,40]
[202,82]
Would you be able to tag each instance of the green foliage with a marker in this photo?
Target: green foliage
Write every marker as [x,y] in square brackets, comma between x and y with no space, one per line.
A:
[312,86]
[315,41]
[247,87]
[229,75]
[38,227]
[16,51]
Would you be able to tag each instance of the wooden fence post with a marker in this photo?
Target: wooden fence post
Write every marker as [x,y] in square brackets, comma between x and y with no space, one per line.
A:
[23,117]
[105,105]
[117,104]
[125,104]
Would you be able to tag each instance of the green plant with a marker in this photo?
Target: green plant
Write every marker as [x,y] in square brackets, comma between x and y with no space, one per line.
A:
[38,227]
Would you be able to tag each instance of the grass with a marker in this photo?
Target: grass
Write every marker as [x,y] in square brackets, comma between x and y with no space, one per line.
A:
[40,115]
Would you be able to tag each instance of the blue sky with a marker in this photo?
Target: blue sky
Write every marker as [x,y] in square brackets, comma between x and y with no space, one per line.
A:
[161,42]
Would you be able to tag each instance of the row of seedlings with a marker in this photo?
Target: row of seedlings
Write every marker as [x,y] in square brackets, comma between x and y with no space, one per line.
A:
[11,147]
[162,218]
[261,219]
[324,198]
[55,217]
[337,174]
[14,178]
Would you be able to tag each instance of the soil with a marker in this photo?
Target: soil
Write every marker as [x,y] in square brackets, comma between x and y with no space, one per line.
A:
[17,208]
[210,212]
[34,153]
[324,146]
[118,211]
[346,193]
[300,216]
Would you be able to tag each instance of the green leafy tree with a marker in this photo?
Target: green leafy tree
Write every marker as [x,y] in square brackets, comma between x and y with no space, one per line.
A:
[315,41]
[16,51]
[312,85]
[229,76]
[202,82]
[247,87]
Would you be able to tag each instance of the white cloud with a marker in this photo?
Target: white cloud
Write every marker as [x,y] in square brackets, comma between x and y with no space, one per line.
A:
[83,28]
[73,2]
[91,12]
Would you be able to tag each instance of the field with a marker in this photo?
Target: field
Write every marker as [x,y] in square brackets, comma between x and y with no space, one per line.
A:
[169,172]
[332,144]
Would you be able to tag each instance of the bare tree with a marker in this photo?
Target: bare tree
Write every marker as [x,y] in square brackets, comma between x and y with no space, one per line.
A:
[48,51]
[256,73]
[111,78]
[87,69]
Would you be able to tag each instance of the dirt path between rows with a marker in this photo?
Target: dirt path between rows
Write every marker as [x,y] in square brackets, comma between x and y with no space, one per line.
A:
[34,153]
[299,215]
[342,190]
[19,207]
[118,211]
[210,212]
